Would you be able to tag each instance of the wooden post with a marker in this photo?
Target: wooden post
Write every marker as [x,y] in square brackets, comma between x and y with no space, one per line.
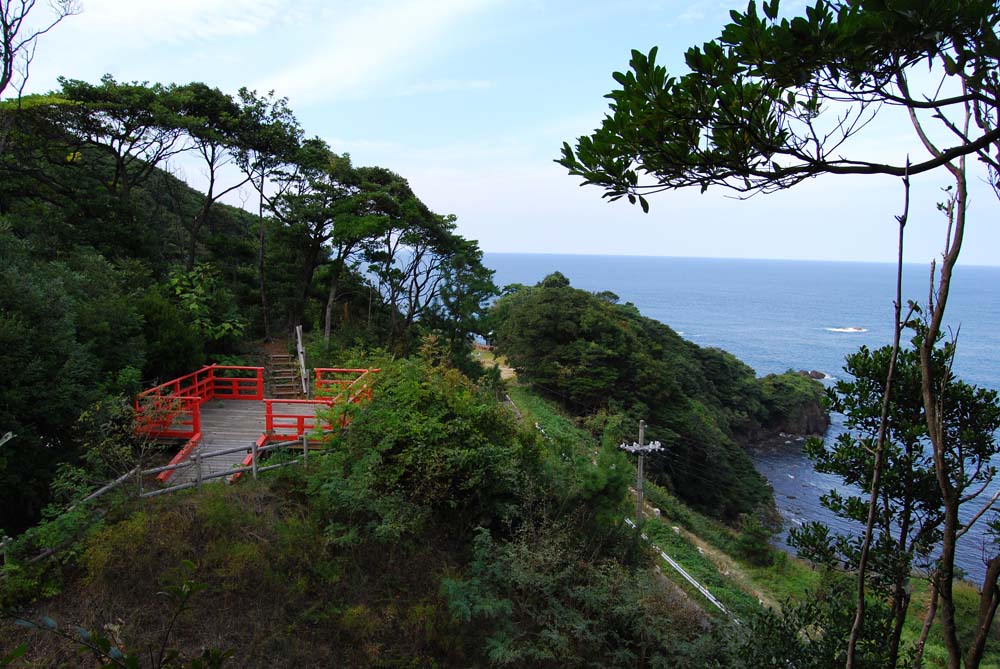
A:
[197,467]
[4,541]
[301,350]
[639,476]
[305,451]
[253,458]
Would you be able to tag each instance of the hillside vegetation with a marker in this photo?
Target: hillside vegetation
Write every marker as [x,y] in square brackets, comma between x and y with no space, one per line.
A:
[606,363]
[437,531]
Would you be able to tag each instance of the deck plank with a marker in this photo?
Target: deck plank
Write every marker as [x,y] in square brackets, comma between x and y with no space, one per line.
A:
[228,424]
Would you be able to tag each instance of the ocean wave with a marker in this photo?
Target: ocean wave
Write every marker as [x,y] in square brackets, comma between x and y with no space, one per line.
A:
[851,329]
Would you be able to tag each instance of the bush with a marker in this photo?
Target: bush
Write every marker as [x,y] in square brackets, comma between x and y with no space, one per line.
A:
[532,601]
[430,445]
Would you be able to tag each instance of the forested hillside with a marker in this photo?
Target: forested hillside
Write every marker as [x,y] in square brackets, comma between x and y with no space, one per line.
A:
[437,527]
[608,364]
[117,274]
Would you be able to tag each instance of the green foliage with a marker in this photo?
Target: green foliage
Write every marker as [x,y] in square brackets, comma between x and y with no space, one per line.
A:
[205,303]
[174,346]
[57,319]
[772,100]
[753,541]
[909,509]
[535,604]
[605,361]
[811,631]
[428,446]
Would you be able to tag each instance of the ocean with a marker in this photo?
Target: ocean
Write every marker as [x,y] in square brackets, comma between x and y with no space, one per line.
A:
[777,315]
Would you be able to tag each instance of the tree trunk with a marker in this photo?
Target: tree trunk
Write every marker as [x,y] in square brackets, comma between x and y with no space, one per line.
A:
[989,598]
[935,429]
[331,299]
[918,650]
[897,329]
[202,215]
[306,277]
[946,577]
[900,604]
[196,225]
[260,263]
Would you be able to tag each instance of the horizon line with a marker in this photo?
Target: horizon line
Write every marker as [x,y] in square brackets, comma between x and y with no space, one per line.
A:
[648,255]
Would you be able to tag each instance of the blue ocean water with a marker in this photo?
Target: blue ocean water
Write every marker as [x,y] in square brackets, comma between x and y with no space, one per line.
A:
[777,315]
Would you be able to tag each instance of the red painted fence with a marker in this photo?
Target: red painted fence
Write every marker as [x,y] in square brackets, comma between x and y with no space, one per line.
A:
[173,409]
[280,424]
[352,385]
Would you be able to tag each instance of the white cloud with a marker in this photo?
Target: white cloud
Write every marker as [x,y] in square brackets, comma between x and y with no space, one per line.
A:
[147,22]
[364,49]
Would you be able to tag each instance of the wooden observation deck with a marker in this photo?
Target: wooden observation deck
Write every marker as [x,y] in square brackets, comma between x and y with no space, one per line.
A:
[222,407]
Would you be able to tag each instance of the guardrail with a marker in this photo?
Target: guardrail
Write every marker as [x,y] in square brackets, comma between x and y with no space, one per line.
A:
[279,424]
[251,464]
[686,576]
[173,409]
[344,385]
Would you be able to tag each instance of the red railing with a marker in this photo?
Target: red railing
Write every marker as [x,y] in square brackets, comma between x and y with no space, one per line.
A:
[350,385]
[280,424]
[181,456]
[173,409]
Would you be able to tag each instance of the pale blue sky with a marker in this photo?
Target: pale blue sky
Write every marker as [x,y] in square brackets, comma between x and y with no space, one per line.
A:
[471,100]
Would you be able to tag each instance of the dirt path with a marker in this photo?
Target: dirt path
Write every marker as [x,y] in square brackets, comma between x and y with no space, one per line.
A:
[487,358]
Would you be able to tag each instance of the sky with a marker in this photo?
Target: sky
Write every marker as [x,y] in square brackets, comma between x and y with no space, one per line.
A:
[471,100]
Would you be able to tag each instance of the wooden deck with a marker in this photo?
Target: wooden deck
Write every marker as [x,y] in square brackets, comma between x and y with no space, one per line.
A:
[229,424]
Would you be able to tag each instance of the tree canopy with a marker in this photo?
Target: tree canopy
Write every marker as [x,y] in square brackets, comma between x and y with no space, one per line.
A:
[774,101]
[599,358]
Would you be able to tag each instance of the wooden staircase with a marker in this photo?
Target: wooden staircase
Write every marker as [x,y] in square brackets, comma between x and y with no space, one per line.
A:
[284,378]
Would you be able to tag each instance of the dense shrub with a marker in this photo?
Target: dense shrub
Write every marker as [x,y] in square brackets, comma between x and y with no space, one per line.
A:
[532,602]
[430,446]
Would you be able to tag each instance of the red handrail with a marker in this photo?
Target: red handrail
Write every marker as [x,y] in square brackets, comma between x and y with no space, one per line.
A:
[181,456]
[173,409]
[291,425]
[344,389]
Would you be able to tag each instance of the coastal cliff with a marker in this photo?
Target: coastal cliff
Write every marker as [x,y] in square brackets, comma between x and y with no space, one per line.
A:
[610,367]
[794,403]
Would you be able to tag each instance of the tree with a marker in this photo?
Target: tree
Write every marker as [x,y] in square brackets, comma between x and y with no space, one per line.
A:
[135,124]
[211,119]
[18,39]
[268,136]
[773,102]
[909,517]
[319,198]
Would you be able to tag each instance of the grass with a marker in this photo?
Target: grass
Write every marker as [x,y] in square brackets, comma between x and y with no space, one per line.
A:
[739,585]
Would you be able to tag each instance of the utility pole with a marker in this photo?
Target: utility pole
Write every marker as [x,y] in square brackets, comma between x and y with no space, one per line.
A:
[640,449]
